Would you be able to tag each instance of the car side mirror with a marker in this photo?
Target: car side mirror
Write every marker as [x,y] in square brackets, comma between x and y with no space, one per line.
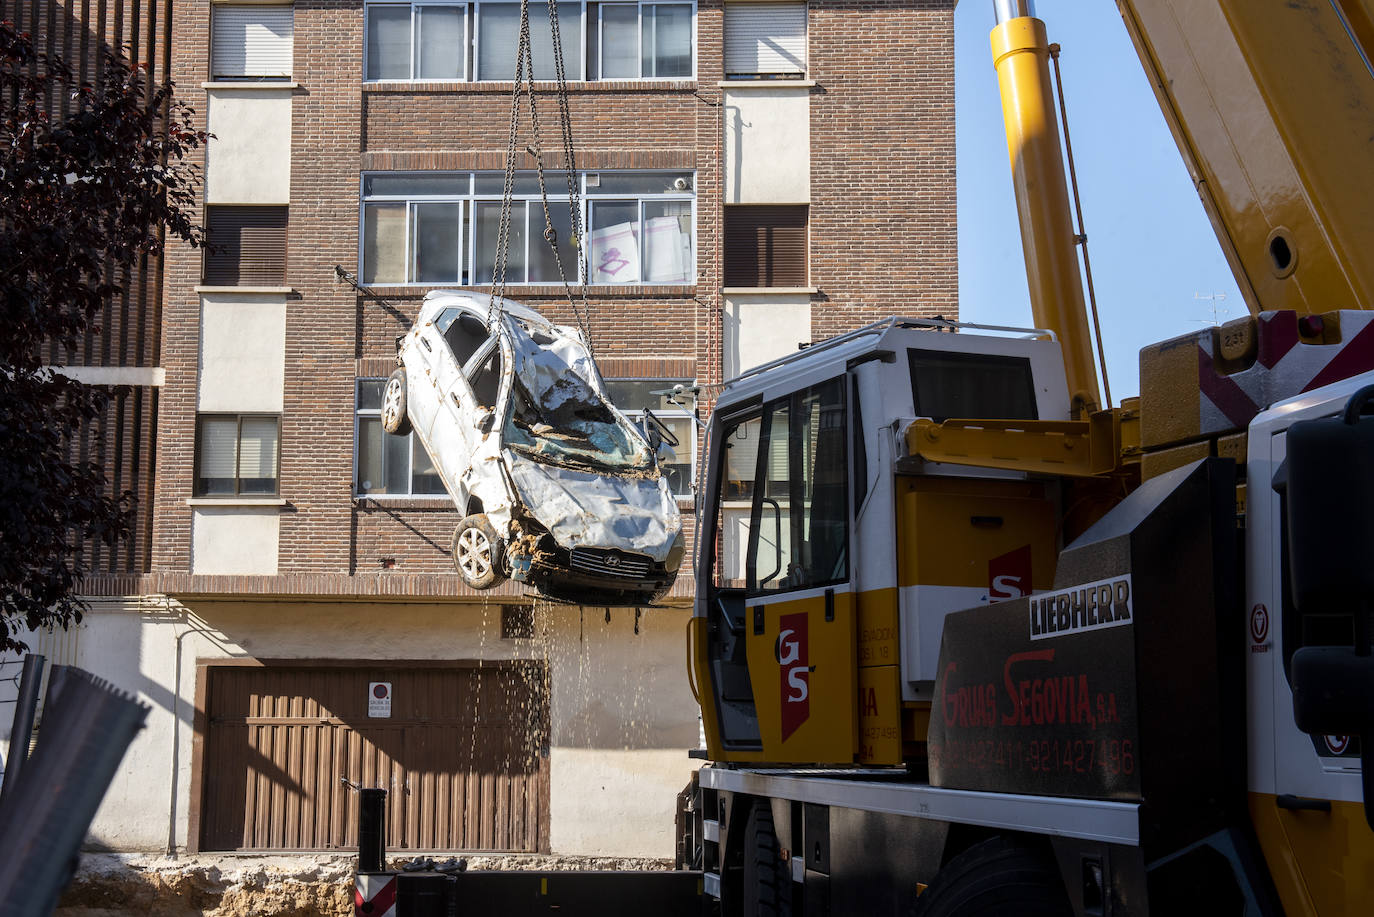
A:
[487,421]
[1327,482]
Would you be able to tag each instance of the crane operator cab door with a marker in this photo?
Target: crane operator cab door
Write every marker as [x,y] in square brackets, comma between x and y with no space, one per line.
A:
[780,632]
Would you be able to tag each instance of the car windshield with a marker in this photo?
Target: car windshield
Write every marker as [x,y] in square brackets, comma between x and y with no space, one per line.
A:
[556,415]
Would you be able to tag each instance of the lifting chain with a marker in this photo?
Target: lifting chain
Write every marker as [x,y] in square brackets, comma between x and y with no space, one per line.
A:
[524,77]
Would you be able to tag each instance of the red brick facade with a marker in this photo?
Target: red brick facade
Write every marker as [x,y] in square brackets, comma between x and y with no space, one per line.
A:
[882,241]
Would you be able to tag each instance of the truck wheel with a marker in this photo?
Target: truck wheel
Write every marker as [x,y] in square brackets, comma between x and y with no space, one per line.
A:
[997,878]
[479,554]
[394,417]
[767,880]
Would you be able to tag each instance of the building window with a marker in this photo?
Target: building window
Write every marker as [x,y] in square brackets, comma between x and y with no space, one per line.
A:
[417,41]
[392,465]
[765,245]
[247,246]
[635,397]
[765,40]
[250,42]
[441,228]
[237,455]
[647,40]
[478,40]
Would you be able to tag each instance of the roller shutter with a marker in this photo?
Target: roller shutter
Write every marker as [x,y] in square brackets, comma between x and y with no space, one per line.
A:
[251,41]
[462,756]
[766,245]
[765,38]
[249,246]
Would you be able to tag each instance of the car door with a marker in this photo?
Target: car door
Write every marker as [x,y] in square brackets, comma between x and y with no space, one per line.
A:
[462,334]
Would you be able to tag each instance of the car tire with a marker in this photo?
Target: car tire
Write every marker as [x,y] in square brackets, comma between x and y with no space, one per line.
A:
[996,878]
[479,554]
[395,419]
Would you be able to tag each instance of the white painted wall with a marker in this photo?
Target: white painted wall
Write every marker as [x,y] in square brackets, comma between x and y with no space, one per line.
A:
[248,161]
[242,352]
[622,714]
[235,539]
[762,327]
[768,145]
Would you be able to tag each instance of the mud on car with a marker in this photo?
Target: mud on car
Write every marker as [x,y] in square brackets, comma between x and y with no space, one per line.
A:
[557,488]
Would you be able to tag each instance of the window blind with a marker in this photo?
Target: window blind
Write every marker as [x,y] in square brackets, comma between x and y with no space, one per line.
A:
[248,246]
[766,245]
[765,38]
[251,41]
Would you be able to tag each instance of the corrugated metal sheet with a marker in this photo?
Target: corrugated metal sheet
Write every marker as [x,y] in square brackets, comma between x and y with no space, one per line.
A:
[249,245]
[765,38]
[251,41]
[765,245]
[462,757]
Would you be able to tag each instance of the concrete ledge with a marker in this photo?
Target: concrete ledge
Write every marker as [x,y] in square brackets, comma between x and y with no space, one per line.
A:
[246,291]
[769,291]
[250,84]
[765,84]
[376,587]
[114,375]
[574,86]
[235,501]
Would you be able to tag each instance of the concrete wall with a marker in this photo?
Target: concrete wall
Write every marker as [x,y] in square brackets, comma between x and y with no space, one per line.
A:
[248,161]
[762,327]
[622,714]
[235,539]
[242,352]
[768,145]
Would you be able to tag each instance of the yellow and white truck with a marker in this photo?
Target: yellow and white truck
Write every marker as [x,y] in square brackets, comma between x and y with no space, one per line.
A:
[966,642]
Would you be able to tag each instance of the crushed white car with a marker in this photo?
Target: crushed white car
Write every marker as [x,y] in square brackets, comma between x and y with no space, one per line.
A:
[557,488]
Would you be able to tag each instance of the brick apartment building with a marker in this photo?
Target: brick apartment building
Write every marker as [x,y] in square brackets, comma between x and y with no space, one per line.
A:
[771,173]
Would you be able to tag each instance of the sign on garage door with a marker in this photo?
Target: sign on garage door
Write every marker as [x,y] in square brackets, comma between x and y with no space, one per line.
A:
[462,756]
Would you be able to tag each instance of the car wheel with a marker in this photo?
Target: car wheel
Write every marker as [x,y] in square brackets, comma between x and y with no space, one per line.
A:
[479,554]
[394,417]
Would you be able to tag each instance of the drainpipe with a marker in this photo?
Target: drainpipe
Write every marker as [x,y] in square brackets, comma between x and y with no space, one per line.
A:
[1020,52]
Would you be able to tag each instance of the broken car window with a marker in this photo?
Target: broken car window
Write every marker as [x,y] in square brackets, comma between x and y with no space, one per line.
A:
[557,415]
[464,332]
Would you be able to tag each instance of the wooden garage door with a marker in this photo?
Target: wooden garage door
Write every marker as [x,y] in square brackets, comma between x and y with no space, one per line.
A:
[463,756]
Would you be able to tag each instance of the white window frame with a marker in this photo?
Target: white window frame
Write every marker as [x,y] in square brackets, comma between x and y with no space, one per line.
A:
[468,40]
[468,240]
[636,416]
[472,38]
[358,414]
[639,40]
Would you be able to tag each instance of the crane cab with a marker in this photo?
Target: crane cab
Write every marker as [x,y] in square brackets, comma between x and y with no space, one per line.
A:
[829,556]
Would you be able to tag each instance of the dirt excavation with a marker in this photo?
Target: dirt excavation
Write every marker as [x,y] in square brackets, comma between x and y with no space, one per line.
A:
[114,885]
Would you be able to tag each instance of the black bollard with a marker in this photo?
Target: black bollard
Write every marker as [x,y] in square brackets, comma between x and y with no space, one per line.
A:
[371,830]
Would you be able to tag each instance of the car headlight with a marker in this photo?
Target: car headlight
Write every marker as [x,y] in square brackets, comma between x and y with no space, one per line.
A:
[674,559]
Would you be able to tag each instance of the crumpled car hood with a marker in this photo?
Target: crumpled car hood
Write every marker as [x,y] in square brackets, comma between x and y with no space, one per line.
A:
[583,508]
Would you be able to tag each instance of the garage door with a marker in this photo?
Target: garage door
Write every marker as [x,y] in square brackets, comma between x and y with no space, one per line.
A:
[463,754]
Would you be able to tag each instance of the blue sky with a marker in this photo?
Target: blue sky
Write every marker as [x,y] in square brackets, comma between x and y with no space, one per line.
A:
[1151,245]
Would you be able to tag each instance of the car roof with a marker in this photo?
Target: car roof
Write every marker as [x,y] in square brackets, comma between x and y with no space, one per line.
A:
[438,300]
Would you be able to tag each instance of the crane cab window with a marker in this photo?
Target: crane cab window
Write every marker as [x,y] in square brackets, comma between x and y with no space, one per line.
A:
[977,386]
[783,517]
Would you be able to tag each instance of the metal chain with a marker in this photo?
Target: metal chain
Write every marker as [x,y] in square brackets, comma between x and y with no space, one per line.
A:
[524,76]
[498,274]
